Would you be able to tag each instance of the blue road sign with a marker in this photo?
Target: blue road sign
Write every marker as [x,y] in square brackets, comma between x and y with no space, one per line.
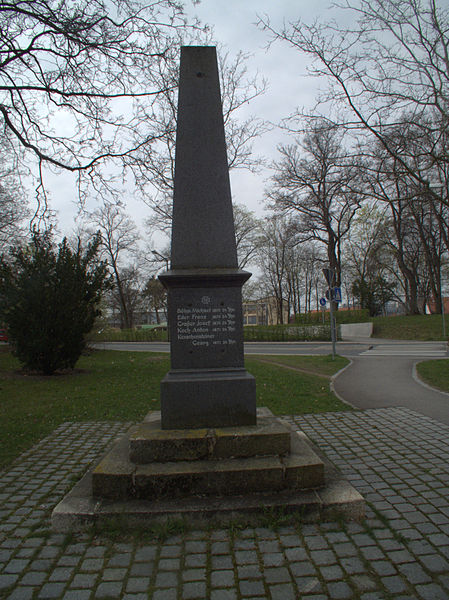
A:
[337,294]
[322,301]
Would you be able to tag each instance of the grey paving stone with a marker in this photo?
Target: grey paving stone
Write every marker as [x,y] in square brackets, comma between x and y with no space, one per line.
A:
[169,564]
[249,572]
[251,588]
[296,554]
[431,591]
[7,580]
[363,583]
[145,554]
[196,561]
[339,590]
[141,569]
[222,579]
[323,557]
[33,578]
[273,559]
[195,547]
[91,565]
[382,567]
[194,575]
[246,557]
[283,592]
[51,590]
[166,579]
[309,585]
[61,574]
[194,590]
[223,595]
[220,548]
[331,573]
[84,581]
[435,563]
[393,584]
[302,569]
[135,585]
[290,540]
[21,593]
[277,575]
[119,560]
[112,589]
[222,562]
[16,566]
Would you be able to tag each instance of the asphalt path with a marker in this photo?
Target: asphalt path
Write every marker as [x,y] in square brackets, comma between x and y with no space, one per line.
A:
[385,376]
[280,348]
[382,373]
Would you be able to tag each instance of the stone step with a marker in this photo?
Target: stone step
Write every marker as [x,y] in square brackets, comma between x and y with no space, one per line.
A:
[336,499]
[149,443]
[117,478]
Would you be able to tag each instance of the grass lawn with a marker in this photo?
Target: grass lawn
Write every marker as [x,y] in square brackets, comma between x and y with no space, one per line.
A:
[435,373]
[416,327]
[124,386]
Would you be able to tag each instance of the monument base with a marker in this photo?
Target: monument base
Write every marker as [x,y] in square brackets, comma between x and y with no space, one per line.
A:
[233,474]
[208,398]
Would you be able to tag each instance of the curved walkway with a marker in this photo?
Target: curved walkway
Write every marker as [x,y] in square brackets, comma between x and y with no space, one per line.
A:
[381,378]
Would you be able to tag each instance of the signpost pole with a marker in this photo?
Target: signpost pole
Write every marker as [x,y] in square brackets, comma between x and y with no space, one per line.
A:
[331,305]
[329,275]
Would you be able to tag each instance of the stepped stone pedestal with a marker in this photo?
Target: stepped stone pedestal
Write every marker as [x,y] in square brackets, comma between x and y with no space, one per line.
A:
[208,476]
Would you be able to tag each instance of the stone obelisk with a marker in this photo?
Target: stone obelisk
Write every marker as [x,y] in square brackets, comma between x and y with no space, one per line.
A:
[207,385]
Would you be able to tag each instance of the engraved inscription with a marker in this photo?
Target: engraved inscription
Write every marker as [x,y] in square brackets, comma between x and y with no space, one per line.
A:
[206,325]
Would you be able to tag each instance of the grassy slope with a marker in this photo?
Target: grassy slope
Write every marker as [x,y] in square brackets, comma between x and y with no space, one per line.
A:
[124,386]
[417,327]
[435,373]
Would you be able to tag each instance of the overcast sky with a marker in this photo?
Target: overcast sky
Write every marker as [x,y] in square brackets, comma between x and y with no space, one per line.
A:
[284,68]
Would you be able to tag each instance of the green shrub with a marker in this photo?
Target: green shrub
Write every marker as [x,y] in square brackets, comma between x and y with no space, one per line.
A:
[286,333]
[341,316]
[50,301]
[129,335]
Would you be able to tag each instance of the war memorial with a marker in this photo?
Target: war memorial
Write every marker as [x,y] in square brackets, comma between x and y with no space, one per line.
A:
[209,455]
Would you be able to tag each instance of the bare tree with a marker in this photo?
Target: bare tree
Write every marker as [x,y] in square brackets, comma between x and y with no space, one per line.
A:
[318,183]
[77,80]
[369,261]
[274,253]
[119,239]
[155,170]
[390,64]
[247,234]
[13,204]
[156,296]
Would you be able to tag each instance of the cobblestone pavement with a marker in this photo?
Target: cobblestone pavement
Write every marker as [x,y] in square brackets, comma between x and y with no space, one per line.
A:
[398,459]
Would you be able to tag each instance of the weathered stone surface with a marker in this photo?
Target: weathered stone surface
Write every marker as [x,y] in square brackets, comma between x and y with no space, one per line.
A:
[217,471]
[210,477]
[112,477]
[335,498]
[150,443]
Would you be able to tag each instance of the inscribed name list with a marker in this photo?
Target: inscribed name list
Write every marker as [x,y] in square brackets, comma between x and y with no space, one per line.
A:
[206,328]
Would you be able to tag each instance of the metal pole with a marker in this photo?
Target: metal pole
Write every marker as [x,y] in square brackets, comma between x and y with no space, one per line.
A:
[332,323]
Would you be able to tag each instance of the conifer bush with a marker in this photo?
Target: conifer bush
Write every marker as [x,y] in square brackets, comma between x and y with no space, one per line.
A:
[49,298]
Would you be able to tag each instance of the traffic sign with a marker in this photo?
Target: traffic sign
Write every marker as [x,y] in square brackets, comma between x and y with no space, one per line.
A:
[329,275]
[337,294]
[322,301]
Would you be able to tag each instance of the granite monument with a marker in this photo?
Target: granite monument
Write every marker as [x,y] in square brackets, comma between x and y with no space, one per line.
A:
[207,385]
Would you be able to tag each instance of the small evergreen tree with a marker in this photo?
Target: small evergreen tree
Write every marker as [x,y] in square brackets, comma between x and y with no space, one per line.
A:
[49,298]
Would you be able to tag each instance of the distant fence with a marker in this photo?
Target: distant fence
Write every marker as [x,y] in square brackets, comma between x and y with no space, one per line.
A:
[257,333]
